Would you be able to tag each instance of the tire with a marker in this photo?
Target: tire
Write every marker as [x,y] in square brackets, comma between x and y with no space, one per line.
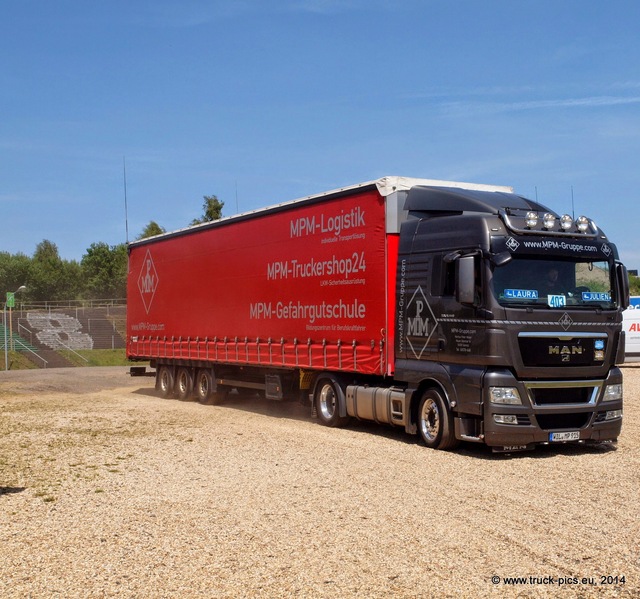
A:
[435,422]
[204,387]
[184,384]
[164,381]
[328,396]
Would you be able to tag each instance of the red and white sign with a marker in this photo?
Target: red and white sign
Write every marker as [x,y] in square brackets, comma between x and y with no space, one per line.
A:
[631,326]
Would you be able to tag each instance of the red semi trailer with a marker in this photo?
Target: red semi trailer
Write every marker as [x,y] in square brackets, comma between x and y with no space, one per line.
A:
[317,299]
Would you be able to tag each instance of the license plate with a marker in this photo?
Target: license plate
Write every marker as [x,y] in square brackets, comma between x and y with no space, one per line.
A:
[568,436]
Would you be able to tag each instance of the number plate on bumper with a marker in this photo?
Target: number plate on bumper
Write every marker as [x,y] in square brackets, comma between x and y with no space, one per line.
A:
[568,436]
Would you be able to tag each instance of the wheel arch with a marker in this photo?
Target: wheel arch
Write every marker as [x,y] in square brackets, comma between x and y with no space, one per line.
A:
[447,392]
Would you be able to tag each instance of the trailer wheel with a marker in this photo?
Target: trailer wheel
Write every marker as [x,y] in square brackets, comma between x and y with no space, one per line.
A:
[435,421]
[164,381]
[328,395]
[204,387]
[184,383]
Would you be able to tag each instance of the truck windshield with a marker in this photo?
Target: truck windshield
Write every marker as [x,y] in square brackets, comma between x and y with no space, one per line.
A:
[554,283]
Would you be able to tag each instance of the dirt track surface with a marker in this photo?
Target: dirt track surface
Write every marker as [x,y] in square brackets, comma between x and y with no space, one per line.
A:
[107,490]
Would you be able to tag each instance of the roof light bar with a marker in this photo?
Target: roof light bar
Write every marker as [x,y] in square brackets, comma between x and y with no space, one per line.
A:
[533,221]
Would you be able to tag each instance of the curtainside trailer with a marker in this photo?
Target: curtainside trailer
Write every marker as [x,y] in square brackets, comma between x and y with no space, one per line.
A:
[456,311]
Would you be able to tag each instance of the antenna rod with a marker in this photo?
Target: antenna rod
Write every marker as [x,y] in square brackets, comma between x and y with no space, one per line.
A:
[126,214]
[573,212]
[237,208]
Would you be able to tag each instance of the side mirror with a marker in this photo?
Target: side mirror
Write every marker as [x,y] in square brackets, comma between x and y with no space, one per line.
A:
[465,280]
[622,280]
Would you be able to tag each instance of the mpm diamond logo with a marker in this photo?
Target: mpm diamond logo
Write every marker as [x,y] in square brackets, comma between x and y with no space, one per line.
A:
[148,281]
[421,322]
[565,321]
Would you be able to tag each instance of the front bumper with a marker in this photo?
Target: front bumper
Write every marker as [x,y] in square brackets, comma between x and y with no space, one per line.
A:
[552,412]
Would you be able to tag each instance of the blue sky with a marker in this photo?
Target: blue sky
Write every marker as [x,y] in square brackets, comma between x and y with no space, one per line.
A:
[261,102]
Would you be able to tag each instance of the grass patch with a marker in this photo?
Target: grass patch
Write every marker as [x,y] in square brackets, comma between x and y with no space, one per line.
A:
[96,357]
[85,357]
[16,361]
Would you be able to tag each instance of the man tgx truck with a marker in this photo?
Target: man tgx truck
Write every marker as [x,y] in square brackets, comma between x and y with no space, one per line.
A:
[455,311]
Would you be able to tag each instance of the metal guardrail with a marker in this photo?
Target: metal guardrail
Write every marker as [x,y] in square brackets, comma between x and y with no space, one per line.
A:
[72,304]
[48,306]
[73,351]
[25,349]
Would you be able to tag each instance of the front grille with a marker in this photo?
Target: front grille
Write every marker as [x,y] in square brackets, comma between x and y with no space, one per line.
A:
[544,396]
[549,422]
[554,351]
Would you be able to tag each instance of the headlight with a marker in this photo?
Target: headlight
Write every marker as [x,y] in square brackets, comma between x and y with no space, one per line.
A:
[505,395]
[612,392]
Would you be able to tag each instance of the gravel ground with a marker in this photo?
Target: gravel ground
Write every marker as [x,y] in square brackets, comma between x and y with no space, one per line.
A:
[107,490]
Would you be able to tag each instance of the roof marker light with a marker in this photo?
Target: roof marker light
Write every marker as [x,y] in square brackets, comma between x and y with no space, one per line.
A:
[565,222]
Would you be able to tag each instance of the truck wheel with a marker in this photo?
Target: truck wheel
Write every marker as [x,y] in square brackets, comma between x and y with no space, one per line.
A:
[327,399]
[184,383]
[204,386]
[435,421]
[164,381]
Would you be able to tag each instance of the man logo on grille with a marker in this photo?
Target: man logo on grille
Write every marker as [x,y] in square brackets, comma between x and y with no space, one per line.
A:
[148,281]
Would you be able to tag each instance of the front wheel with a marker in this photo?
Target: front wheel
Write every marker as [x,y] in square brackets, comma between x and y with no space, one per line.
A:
[328,395]
[435,421]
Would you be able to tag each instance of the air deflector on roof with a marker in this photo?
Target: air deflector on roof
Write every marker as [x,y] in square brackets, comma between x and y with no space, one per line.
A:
[450,199]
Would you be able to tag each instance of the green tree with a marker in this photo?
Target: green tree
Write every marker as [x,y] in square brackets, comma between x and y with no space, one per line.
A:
[14,272]
[153,228]
[104,270]
[212,210]
[634,285]
[51,277]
